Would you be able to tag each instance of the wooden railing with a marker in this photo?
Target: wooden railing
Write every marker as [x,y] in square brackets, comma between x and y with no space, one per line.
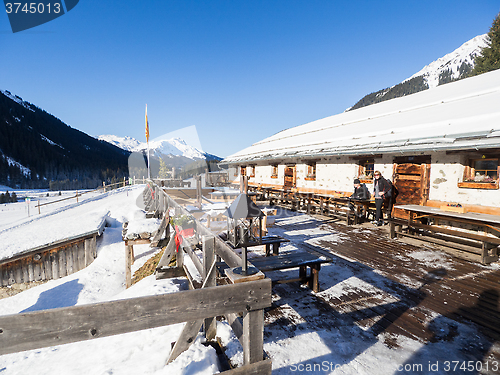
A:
[250,329]
[39,329]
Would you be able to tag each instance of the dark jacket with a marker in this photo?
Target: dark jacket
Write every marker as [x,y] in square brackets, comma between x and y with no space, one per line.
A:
[361,193]
[383,186]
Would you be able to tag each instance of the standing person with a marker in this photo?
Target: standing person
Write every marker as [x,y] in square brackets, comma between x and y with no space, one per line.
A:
[380,188]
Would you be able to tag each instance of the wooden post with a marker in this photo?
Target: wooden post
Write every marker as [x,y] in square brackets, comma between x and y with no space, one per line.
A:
[38,207]
[198,191]
[209,279]
[104,185]
[77,196]
[253,336]
[128,263]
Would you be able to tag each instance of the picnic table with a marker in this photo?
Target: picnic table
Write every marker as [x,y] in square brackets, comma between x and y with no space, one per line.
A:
[268,241]
[418,222]
[299,259]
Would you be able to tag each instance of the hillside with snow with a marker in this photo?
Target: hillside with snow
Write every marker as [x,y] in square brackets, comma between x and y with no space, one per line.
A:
[38,150]
[125,143]
[451,67]
[454,64]
[162,148]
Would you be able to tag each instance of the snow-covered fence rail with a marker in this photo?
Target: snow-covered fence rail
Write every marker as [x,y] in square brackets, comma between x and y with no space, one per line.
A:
[79,194]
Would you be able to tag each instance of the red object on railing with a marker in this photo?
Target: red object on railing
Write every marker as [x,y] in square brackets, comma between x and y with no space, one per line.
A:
[180,234]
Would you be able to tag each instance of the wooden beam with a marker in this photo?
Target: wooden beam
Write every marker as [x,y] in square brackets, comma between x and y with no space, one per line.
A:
[77,323]
[169,253]
[187,337]
[209,279]
[258,368]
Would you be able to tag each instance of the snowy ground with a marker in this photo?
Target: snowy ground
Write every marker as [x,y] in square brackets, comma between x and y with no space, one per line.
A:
[299,340]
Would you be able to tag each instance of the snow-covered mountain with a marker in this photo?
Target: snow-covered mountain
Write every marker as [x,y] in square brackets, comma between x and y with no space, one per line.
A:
[451,67]
[453,63]
[126,143]
[175,147]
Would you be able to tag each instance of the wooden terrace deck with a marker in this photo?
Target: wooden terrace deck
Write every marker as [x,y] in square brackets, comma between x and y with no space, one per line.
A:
[414,297]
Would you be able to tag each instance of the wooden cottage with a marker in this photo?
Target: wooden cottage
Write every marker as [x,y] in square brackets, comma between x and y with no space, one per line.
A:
[438,146]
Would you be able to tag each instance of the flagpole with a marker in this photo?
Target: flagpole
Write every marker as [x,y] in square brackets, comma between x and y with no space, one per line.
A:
[147,140]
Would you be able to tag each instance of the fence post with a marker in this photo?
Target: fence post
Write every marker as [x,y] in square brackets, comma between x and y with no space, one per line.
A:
[104,185]
[209,279]
[129,250]
[253,336]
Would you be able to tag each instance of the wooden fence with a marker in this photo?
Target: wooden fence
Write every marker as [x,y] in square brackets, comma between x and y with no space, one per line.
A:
[205,249]
[197,307]
[51,261]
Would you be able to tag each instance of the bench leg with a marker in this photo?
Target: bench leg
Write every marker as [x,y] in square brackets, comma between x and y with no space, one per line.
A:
[268,250]
[276,247]
[489,253]
[303,273]
[314,278]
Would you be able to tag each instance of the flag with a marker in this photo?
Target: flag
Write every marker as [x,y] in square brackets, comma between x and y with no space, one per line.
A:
[147,125]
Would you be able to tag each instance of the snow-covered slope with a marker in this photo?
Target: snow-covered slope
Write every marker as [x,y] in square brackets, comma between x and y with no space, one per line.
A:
[161,148]
[174,146]
[126,143]
[452,62]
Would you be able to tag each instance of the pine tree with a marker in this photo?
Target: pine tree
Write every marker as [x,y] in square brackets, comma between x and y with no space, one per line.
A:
[163,169]
[490,57]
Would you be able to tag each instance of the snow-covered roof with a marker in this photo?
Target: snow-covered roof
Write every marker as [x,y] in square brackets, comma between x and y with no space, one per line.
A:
[459,115]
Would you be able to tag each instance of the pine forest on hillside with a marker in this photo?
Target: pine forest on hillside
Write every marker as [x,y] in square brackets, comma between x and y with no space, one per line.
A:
[37,150]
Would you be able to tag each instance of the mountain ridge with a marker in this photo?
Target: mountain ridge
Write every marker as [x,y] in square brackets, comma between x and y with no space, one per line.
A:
[38,150]
[451,67]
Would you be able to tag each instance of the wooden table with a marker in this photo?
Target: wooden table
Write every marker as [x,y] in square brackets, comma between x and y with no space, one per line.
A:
[488,244]
[300,259]
[268,241]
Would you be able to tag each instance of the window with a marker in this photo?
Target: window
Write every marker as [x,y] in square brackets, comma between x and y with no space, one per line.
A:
[274,172]
[311,171]
[366,169]
[481,174]
[252,171]
[243,171]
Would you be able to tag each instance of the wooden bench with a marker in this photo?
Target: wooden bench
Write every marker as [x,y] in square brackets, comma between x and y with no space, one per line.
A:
[483,246]
[301,260]
[324,204]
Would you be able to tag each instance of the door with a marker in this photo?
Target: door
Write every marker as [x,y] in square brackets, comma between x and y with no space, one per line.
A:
[412,182]
[290,180]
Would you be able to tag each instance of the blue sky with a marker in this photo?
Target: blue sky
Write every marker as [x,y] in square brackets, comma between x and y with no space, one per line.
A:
[238,70]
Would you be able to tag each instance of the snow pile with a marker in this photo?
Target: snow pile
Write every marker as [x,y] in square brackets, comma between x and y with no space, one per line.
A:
[138,225]
[36,233]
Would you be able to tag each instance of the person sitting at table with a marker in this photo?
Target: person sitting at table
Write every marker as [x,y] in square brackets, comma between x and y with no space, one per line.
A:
[380,189]
[360,193]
